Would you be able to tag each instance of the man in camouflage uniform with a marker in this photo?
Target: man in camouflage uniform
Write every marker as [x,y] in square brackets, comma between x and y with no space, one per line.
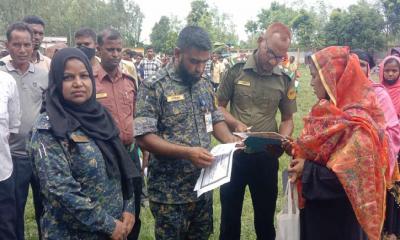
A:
[255,90]
[175,116]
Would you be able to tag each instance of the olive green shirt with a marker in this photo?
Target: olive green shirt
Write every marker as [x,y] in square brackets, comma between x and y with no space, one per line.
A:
[255,98]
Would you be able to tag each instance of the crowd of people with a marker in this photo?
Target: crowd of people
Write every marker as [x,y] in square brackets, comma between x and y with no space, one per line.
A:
[81,127]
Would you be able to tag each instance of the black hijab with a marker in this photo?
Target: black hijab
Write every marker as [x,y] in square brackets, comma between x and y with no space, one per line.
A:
[91,117]
[365,56]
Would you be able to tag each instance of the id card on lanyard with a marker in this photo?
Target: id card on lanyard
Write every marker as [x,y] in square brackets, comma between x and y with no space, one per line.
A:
[208,120]
[207,117]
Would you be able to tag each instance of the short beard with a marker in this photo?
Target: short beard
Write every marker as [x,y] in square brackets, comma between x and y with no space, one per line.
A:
[185,75]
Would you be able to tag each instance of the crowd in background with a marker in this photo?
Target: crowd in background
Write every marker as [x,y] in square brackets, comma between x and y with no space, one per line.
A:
[82,125]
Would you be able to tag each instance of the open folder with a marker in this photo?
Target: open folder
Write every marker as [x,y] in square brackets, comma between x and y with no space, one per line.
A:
[257,141]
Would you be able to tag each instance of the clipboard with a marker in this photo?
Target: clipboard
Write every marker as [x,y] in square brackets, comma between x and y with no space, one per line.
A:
[257,141]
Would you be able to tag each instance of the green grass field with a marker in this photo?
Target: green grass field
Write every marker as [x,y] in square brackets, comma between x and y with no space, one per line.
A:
[305,99]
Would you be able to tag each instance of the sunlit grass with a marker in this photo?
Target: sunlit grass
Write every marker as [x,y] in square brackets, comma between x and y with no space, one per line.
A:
[305,99]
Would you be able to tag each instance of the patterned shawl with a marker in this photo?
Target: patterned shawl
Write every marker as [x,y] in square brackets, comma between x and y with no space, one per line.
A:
[346,135]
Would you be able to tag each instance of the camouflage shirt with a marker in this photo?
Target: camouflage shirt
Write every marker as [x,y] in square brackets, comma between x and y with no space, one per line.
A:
[175,111]
[80,200]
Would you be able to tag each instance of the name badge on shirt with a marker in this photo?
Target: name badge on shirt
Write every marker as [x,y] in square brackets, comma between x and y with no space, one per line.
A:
[244,83]
[101,95]
[175,98]
[208,120]
[79,139]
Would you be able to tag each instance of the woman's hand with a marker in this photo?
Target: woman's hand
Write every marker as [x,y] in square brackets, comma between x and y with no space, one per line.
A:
[296,169]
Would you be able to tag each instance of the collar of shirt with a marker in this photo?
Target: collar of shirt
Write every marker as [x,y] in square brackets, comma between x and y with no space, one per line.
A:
[251,64]
[103,75]
[39,57]
[11,68]
[170,68]
[154,60]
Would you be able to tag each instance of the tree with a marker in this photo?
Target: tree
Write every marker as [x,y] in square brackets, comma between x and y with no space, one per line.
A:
[306,31]
[165,34]
[391,10]
[361,26]
[275,13]
[199,14]
[219,25]
[64,17]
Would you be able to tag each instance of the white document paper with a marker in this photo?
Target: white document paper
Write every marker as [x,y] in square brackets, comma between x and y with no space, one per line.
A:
[219,172]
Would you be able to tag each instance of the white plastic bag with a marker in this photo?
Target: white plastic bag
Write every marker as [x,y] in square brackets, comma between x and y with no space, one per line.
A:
[288,219]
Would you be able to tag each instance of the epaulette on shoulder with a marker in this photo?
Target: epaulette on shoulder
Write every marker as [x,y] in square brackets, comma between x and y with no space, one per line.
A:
[153,79]
[42,122]
[238,66]
[127,75]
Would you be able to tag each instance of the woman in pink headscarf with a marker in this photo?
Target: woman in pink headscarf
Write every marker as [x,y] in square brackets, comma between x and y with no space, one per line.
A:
[389,74]
[387,106]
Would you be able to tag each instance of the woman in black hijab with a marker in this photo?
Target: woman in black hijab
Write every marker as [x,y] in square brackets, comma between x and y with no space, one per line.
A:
[84,170]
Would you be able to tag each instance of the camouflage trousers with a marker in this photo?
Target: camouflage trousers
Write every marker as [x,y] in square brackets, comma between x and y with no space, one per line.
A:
[183,221]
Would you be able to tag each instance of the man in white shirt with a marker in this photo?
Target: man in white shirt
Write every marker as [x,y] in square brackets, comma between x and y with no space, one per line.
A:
[31,81]
[9,123]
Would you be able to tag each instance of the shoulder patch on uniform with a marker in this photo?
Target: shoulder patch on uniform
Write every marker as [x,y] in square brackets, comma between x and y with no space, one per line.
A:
[150,81]
[238,66]
[43,122]
[234,71]
[127,75]
[291,94]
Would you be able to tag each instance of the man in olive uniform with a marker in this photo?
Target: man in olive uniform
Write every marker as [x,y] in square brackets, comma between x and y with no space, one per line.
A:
[175,117]
[256,89]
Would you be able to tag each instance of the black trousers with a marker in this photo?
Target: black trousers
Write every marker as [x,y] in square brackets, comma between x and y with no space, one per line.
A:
[260,172]
[134,234]
[24,177]
[8,214]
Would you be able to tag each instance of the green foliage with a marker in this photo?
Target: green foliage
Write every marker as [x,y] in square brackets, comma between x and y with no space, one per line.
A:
[219,25]
[306,30]
[361,26]
[64,17]
[305,25]
[391,10]
[199,14]
[164,34]
[276,13]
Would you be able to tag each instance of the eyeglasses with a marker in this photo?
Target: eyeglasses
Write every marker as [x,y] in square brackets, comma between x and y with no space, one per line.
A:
[271,53]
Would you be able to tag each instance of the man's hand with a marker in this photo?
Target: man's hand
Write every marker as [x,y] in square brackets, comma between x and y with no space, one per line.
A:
[200,157]
[287,145]
[296,169]
[120,231]
[240,127]
[128,219]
